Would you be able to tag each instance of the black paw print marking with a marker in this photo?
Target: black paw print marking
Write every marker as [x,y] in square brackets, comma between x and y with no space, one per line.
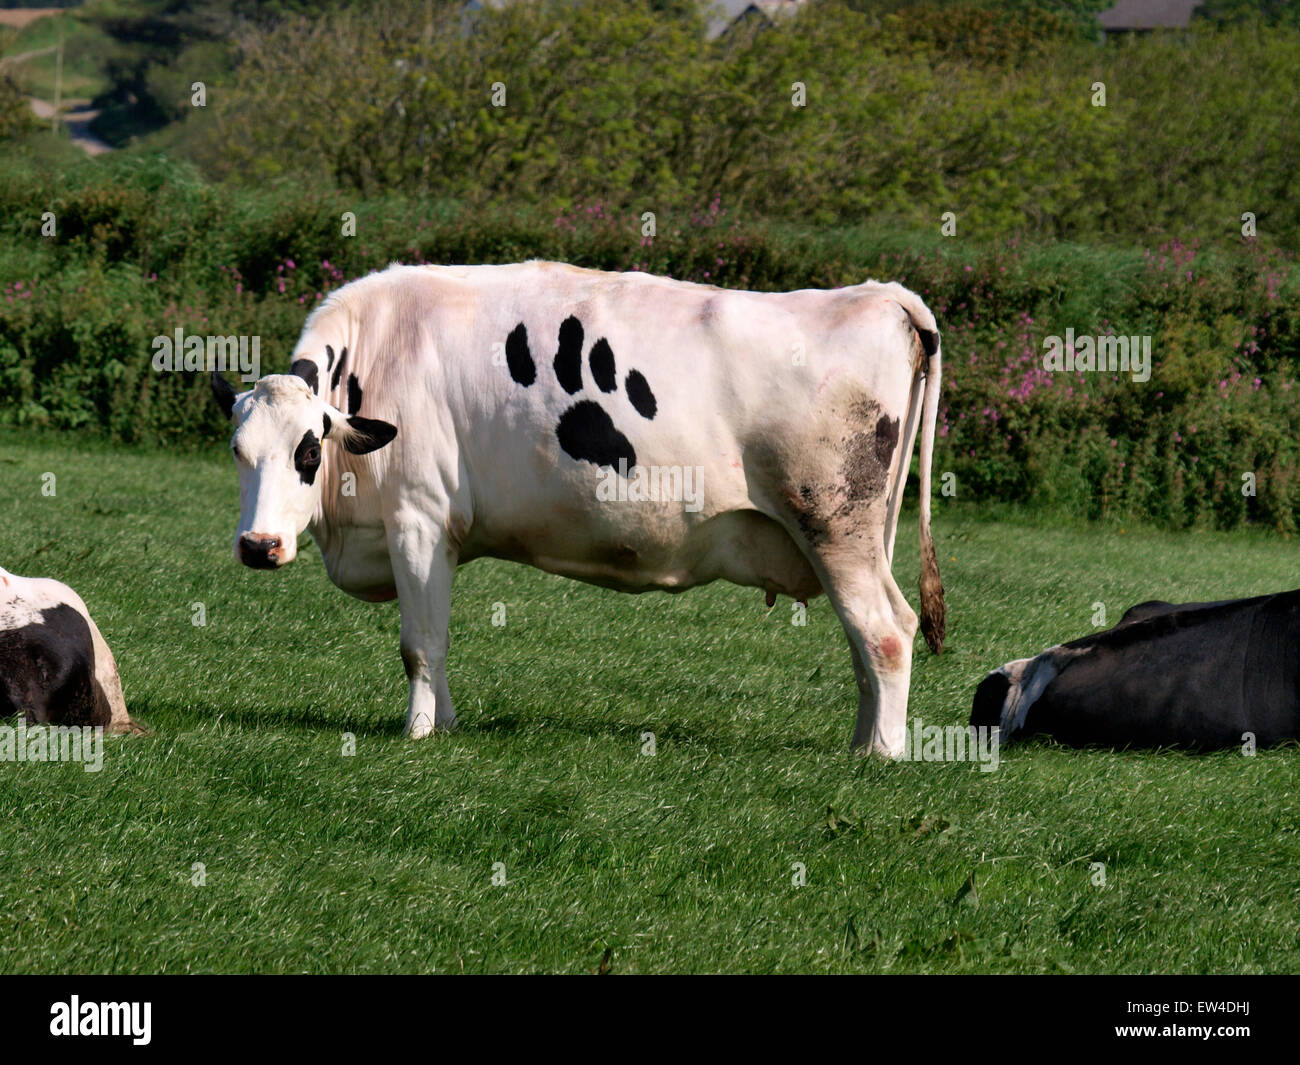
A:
[585,431]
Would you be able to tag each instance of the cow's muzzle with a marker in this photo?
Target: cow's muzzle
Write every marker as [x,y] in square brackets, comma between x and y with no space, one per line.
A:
[261,552]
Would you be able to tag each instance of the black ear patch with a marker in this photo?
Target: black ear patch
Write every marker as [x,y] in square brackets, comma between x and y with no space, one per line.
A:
[306,457]
[308,371]
[372,434]
[354,394]
[223,392]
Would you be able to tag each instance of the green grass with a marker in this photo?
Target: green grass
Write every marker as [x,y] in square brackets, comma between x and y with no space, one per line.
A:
[681,861]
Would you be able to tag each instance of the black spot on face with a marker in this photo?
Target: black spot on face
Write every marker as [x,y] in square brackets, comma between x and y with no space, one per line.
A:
[519,358]
[587,433]
[338,370]
[307,370]
[601,360]
[326,430]
[329,355]
[638,391]
[354,394]
[306,457]
[568,359]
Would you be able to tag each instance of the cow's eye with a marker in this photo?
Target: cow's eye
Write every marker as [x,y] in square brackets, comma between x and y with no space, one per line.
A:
[306,457]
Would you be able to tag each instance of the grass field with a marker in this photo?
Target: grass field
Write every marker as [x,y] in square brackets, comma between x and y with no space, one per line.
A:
[384,860]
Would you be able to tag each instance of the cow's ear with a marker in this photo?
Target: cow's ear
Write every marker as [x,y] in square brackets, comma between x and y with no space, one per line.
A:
[224,393]
[308,371]
[368,434]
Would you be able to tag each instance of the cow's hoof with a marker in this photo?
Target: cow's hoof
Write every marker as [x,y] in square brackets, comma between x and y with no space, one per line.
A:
[864,750]
[420,727]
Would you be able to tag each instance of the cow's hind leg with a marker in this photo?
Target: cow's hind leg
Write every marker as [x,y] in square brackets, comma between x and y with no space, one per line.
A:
[423,566]
[880,626]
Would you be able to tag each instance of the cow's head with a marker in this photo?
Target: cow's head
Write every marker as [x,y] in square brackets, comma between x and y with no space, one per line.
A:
[280,427]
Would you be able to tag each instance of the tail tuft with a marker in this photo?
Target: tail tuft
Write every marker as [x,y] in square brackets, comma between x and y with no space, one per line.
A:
[934,615]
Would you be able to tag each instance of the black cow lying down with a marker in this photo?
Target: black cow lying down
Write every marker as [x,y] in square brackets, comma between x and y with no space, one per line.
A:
[55,668]
[1197,675]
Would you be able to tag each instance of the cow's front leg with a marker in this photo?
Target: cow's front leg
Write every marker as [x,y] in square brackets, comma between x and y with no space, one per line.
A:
[423,566]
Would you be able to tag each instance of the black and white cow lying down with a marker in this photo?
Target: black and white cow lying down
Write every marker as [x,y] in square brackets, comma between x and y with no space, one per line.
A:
[623,429]
[55,668]
[1198,675]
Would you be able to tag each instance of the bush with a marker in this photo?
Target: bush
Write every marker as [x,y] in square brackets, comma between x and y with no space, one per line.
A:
[144,246]
[833,116]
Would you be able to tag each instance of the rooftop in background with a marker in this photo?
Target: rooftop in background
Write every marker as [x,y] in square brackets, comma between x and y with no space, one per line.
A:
[1148,15]
[733,12]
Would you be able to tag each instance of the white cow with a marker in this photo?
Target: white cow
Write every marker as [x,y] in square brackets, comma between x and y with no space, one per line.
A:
[55,668]
[628,430]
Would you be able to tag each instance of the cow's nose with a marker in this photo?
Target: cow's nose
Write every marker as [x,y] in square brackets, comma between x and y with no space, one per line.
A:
[260,552]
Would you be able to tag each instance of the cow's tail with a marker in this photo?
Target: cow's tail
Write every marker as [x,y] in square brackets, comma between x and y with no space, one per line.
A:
[933,614]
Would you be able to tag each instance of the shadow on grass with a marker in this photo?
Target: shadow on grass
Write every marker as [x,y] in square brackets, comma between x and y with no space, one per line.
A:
[166,716]
[600,728]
